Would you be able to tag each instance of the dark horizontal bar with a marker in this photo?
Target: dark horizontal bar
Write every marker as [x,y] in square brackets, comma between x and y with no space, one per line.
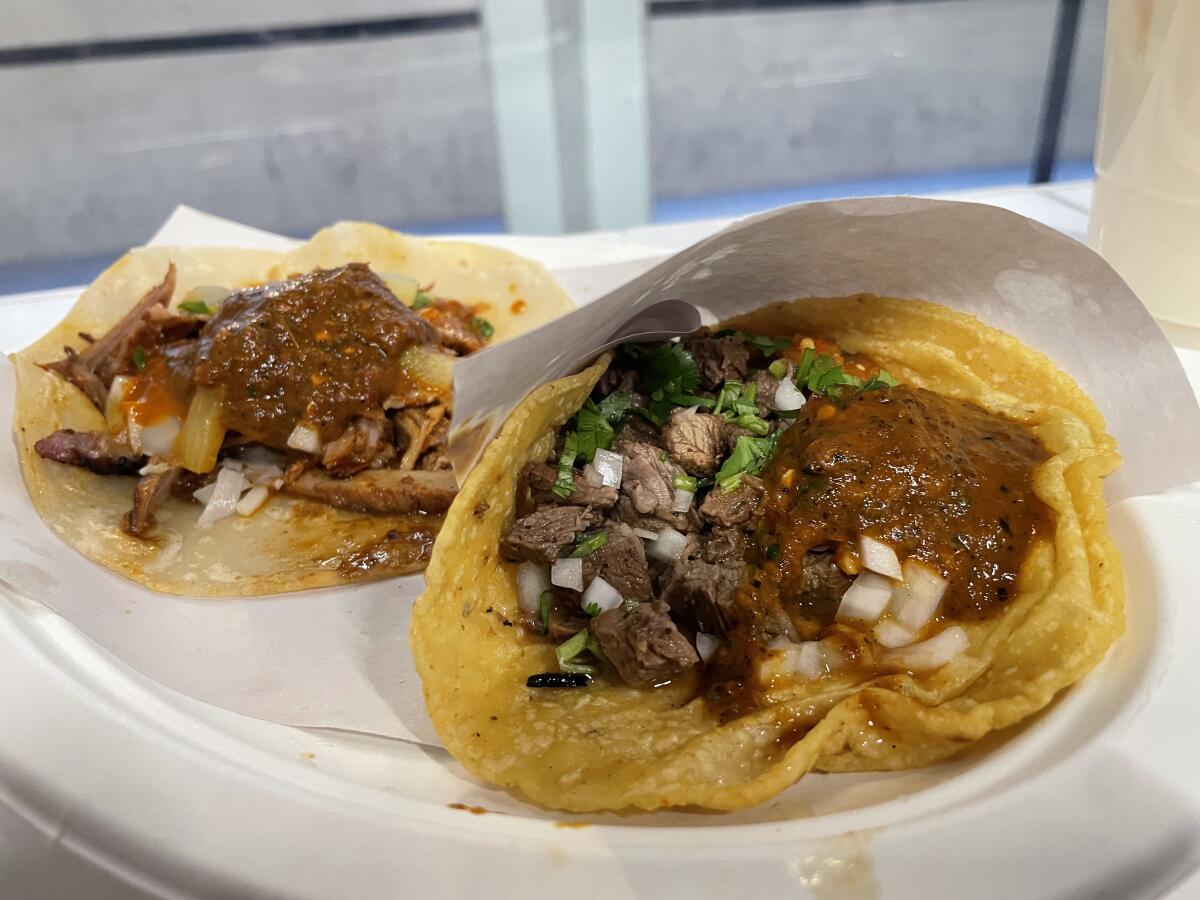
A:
[234,40]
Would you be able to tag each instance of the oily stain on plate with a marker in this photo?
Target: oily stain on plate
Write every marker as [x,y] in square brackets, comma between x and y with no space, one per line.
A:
[839,868]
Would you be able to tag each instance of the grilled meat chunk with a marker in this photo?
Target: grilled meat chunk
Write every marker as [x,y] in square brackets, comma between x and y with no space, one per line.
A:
[365,442]
[647,480]
[622,563]
[455,323]
[541,477]
[719,359]
[93,450]
[644,645]
[149,495]
[694,440]
[730,508]
[821,584]
[702,594]
[379,491]
[543,534]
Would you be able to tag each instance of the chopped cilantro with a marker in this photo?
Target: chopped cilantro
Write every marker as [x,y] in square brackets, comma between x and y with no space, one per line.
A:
[422,300]
[767,346]
[139,359]
[685,483]
[564,483]
[544,611]
[820,373]
[614,407]
[483,327]
[592,609]
[752,422]
[196,307]
[750,456]
[879,381]
[594,431]
[670,377]
[589,545]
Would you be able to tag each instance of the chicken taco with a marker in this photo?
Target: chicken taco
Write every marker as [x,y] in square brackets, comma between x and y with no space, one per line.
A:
[224,422]
[838,535]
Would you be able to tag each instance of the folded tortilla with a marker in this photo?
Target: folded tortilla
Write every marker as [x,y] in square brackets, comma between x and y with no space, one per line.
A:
[612,747]
[290,544]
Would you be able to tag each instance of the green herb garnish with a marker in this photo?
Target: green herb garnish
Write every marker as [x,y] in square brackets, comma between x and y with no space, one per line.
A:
[483,327]
[614,407]
[544,611]
[589,545]
[767,346]
[139,359]
[752,422]
[564,483]
[196,307]
[749,457]
[670,377]
[879,381]
[685,483]
[421,300]
[593,429]
[820,373]
[778,368]
[572,648]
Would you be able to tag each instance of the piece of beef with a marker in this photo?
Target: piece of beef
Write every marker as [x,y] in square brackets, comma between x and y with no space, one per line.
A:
[694,440]
[724,546]
[435,457]
[543,534]
[719,358]
[92,371]
[702,594]
[625,512]
[566,619]
[821,584]
[644,645]
[637,431]
[149,495]
[647,480]
[92,450]
[616,379]
[189,482]
[541,477]
[379,491]
[364,442]
[455,324]
[765,386]
[414,429]
[622,563]
[730,508]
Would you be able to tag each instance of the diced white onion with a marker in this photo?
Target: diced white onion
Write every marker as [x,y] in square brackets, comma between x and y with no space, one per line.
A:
[266,475]
[252,500]
[890,633]
[567,573]
[204,494]
[157,439]
[592,477]
[304,438]
[667,546]
[787,396]
[236,464]
[533,579]
[402,286]
[808,659]
[602,595]
[878,557]
[682,501]
[155,467]
[227,490]
[211,295]
[609,465]
[706,645]
[647,533]
[931,654]
[865,599]
[915,602]
[114,414]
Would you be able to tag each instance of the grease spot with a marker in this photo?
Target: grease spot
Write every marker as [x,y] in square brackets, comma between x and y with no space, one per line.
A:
[839,868]
[474,810]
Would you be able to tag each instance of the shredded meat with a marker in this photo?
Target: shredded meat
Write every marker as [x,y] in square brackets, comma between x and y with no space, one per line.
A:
[542,535]
[379,491]
[455,325]
[93,370]
[730,508]
[541,477]
[149,495]
[694,440]
[365,442]
[93,450]
[643,644]
[415,432]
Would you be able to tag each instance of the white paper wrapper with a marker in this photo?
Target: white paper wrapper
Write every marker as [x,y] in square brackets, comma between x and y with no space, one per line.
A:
[340,658]
[1053,293]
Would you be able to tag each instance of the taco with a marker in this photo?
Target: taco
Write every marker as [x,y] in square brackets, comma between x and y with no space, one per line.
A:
[224,422]
[836,534]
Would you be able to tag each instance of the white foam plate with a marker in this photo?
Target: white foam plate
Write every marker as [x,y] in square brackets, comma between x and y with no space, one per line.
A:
[112,786]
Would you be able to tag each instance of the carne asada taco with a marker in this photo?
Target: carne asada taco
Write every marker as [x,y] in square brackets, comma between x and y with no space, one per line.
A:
[843,535]
[224,422]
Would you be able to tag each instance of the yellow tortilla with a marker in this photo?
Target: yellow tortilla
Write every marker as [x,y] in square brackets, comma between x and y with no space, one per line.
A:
[290,544]
[613,747]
